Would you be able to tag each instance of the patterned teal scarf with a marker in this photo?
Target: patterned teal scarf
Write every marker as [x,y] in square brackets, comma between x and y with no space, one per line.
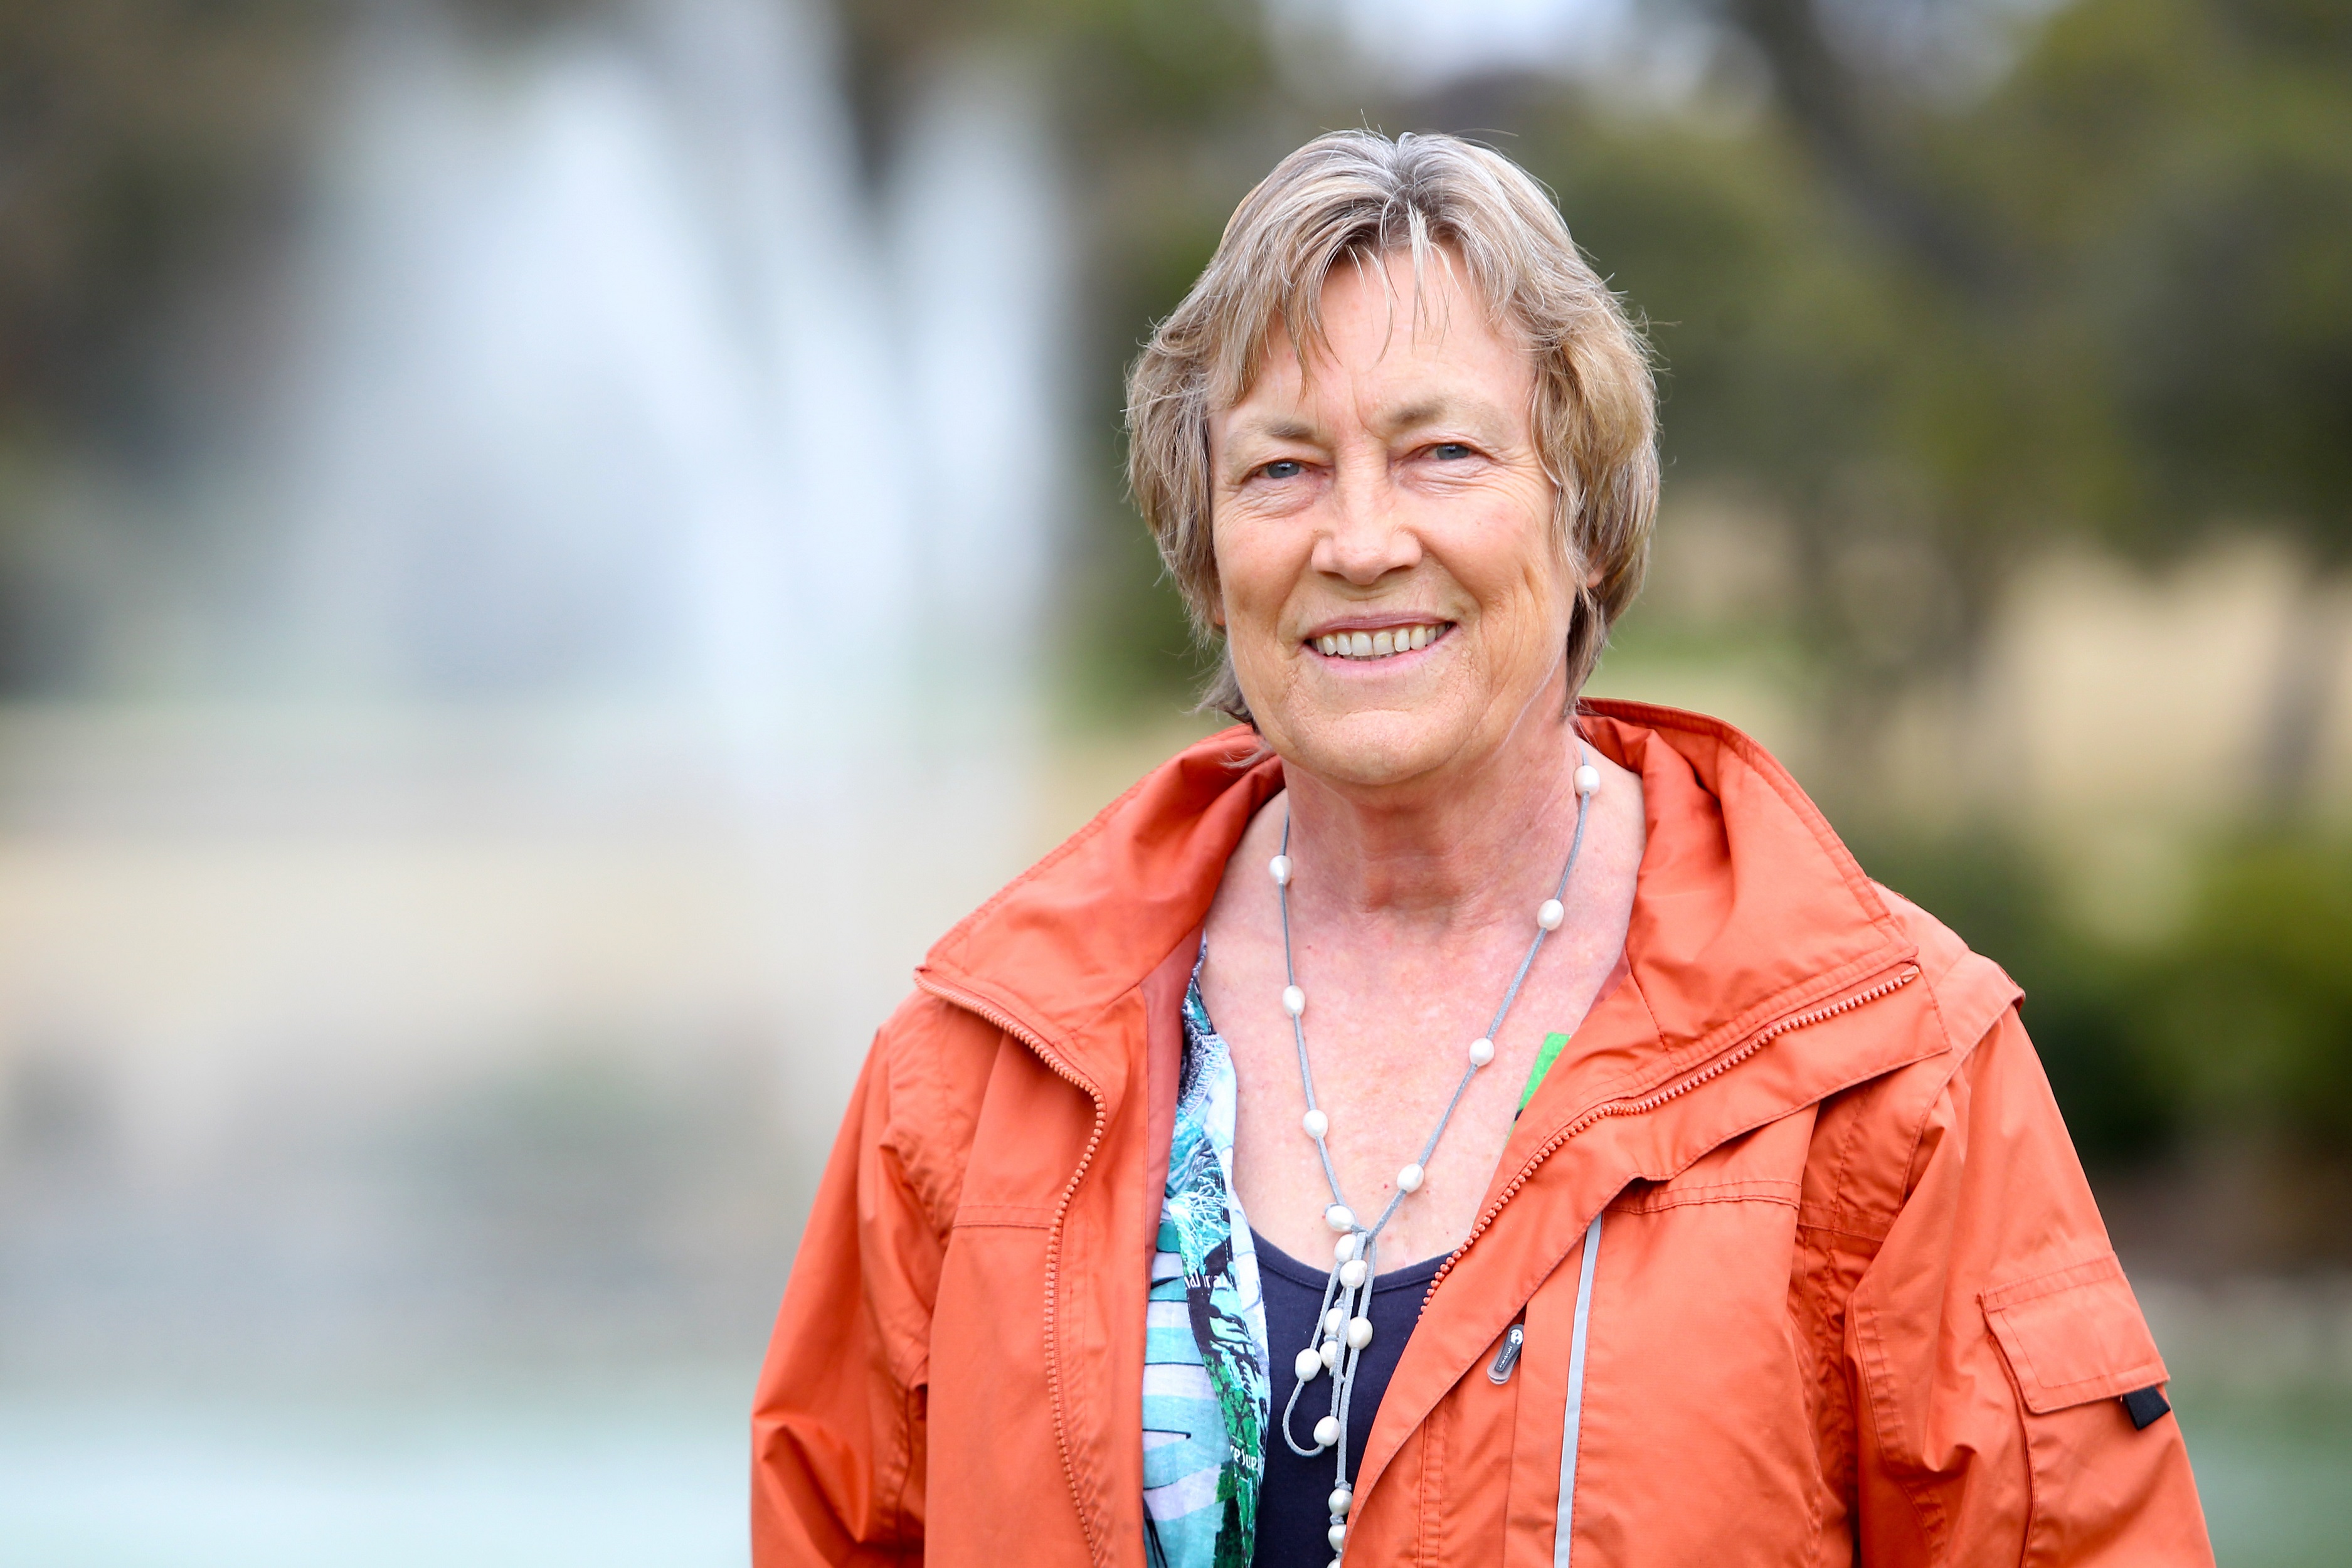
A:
[1205,1391]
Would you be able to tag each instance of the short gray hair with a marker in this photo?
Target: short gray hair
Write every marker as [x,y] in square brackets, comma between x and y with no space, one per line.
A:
[1357,194]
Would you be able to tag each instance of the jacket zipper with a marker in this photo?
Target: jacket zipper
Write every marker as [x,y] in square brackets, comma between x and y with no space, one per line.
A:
[1045,1053]
[1650,1102]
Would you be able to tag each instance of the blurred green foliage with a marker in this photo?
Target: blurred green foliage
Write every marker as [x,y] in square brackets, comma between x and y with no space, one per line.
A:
[2236,1022]
[2248,1011]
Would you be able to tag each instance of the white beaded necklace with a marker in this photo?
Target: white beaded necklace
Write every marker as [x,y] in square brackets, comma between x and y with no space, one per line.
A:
[1343,1325]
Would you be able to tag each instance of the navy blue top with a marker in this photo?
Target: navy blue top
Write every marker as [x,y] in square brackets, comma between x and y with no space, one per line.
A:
[1293,1503]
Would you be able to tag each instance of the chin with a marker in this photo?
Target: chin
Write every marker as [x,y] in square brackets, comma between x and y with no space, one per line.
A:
[1368,751]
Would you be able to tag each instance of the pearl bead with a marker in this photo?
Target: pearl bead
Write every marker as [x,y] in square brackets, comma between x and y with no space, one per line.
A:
[1332,1320]
[1330,1354]
[1339,1218]
[1294,1000]
[1280,866]
[1360,1333]
[1336,1534]
[1551,915]
[1314,1124]
[1342,1501]
[1307,1365]
[1409,1180]
[1588,779]
[1327,1432]
[1481,1052]
[1351,1273]
[1344,1250]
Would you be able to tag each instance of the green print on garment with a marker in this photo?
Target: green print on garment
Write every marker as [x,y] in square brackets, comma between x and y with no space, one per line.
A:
[1206,1394]
[1552,1046]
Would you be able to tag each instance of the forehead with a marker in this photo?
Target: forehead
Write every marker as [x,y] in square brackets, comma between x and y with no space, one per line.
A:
[1388,335]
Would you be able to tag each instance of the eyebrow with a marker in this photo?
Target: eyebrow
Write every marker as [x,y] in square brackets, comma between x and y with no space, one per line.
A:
[1278,429]
[1429,410]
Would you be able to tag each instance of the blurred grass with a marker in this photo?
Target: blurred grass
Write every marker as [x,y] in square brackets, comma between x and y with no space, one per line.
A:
[2274,1471]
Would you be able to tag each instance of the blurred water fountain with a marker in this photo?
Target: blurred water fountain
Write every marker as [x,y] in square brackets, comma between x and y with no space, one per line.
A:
[657,521]
[597,395]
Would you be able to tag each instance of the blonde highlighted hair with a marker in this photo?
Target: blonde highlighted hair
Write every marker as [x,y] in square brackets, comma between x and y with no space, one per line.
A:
[1356,195]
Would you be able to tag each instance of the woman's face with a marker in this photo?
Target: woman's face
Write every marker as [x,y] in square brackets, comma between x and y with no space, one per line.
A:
[1388,588]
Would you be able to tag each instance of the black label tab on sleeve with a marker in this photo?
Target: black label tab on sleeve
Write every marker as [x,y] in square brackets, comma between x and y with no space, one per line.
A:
[2145,1404]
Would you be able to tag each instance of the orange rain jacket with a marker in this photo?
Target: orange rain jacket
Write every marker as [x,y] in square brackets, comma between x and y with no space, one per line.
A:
[1803,1259]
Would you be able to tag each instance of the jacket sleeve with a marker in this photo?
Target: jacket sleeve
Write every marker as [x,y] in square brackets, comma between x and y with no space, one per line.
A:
[1988,1344]
[838,1426]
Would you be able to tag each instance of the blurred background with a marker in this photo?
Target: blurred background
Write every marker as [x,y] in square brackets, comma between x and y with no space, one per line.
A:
[549,547]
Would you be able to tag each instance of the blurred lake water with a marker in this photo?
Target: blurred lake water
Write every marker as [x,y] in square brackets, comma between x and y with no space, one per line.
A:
[647,1471]
[589,1475]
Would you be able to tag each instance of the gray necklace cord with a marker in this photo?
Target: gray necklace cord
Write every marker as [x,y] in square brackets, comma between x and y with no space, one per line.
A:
[1343,1325]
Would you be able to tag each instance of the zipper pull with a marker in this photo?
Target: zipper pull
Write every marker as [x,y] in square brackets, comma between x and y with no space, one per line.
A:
[1508,1356]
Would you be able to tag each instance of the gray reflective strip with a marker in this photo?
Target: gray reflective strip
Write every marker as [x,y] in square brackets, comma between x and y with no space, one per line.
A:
[1563,1537]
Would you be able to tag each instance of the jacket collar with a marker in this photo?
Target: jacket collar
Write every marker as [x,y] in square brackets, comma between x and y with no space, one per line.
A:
[1747,902]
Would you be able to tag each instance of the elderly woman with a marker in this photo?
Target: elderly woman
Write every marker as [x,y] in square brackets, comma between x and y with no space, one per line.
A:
[1444,1120]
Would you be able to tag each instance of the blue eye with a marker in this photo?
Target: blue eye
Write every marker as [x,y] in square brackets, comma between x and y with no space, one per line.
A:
[1450,451]
[1283,468]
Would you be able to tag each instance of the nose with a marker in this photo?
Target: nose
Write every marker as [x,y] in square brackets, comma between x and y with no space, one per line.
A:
[1364,536]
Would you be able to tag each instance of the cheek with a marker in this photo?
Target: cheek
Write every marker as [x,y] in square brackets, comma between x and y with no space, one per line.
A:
[1238,604]
[1521,582]
[1255,574]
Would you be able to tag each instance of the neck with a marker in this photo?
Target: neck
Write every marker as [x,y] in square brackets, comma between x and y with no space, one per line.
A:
[1448,853]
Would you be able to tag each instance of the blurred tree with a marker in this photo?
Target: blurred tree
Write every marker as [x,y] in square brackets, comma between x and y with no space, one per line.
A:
[136,137]
[2117,285]
[140,144]
[2208,260]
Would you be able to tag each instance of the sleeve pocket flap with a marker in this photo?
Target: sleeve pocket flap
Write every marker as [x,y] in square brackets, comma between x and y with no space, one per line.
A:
[2072,1335]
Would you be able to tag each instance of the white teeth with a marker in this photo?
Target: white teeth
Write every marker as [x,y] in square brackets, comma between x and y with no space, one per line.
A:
[1376,645]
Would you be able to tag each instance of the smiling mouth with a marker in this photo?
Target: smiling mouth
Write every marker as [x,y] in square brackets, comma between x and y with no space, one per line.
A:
[1386,643]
